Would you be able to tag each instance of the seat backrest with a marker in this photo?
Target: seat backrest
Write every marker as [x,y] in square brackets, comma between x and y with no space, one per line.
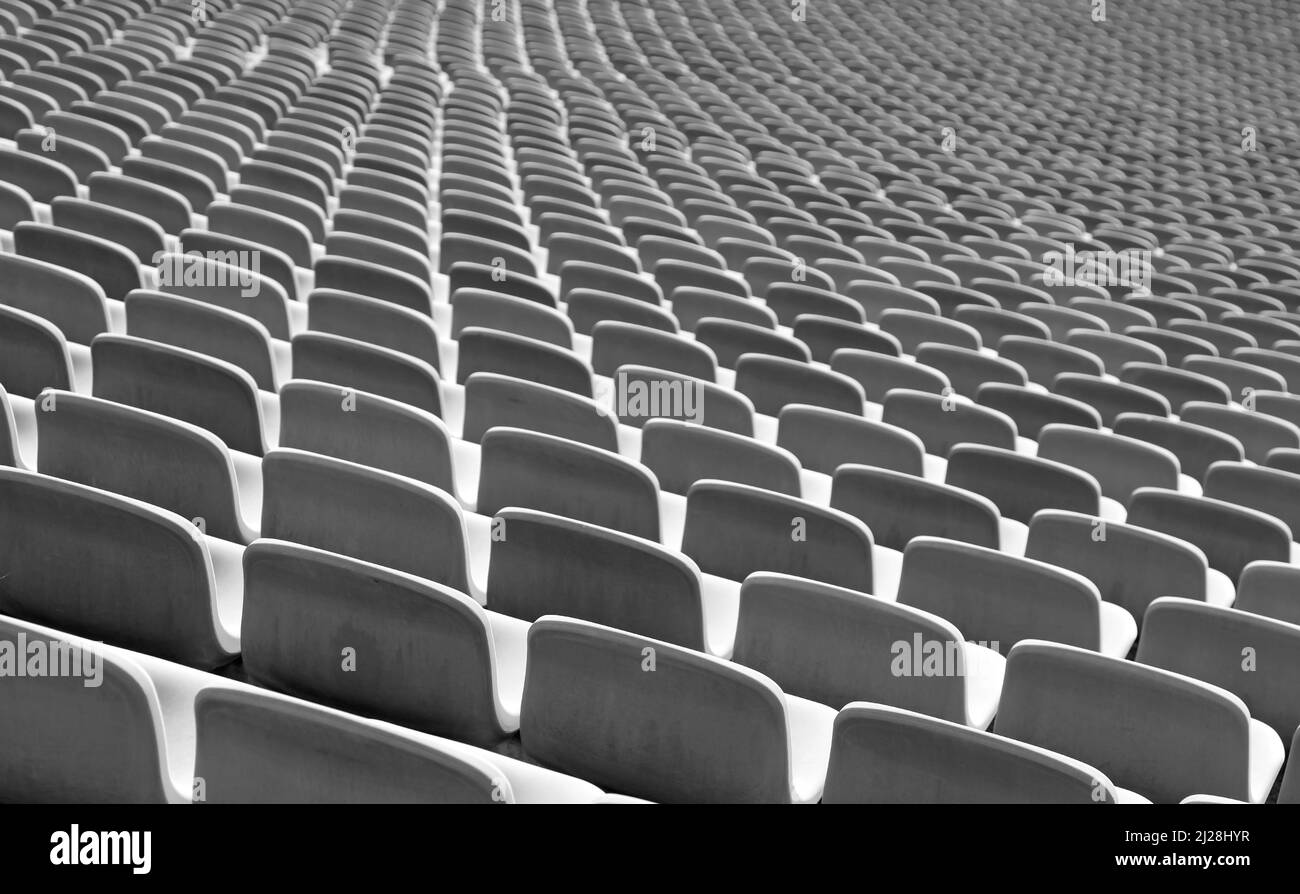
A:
[489,350]
[67,741]
[368,429]
[106,263]
[944,422]
[253,747]
[35,354]
[72,301]
[834,646]
[898,506]
[823,440]
[236,287]
[1231,536]
[1195,446]
[614,344]
[1131,566]
[1033,410]
[878,374]
[887,755]
[491,310]
[1258,432]
[733,530]
[351,363]
[1160,734]
[1271,491]
[774,382]
[1271,589]
[1044,360]
[304,608]
[681,453]
[183,384]
[1120,464]
[1020,485]
[374,280]
[108,567]
[650,719]
[642,393]
[146,456]
[999,599]
[409,526]
[203,328]
[546,564]
[1253,657]
[540,471]
[493,400]
[374,321]
[729,340]
[1110,399]
[968,368]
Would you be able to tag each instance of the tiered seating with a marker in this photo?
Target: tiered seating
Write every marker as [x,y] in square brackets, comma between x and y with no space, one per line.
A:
[703,400]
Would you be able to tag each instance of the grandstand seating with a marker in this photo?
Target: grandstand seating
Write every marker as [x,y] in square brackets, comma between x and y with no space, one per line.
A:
[689,401]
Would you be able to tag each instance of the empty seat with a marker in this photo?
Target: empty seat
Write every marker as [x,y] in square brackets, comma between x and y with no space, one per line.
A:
[72,301]
[651,719]
[446,666]
[148,457]
[375,321]
[887,755]
[116,569]
[1120,464]
[642,393]
[680,453]
[1177,385]
[1271,491]
[1270,589]
[1259,433]
[999,599]
[546,564]
[532,470]
[210,393]
[1255,658]
[878,374]
[773,382]
[487,350]
[1021,485]
[1195,446]
[733,530]
[36,355]
[255,747]
[729,340]
[1231,536]
[1131,566]
[1110,399]
[968,369]
[366,514]
[1160,734]
[833,646]
[897,506]
[368,429]
[944,422]
[355,364]
[823,440]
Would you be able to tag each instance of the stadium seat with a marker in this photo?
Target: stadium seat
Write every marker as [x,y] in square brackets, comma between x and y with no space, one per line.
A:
[889,755]
[829,644]
[650,719]
[1157,733]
